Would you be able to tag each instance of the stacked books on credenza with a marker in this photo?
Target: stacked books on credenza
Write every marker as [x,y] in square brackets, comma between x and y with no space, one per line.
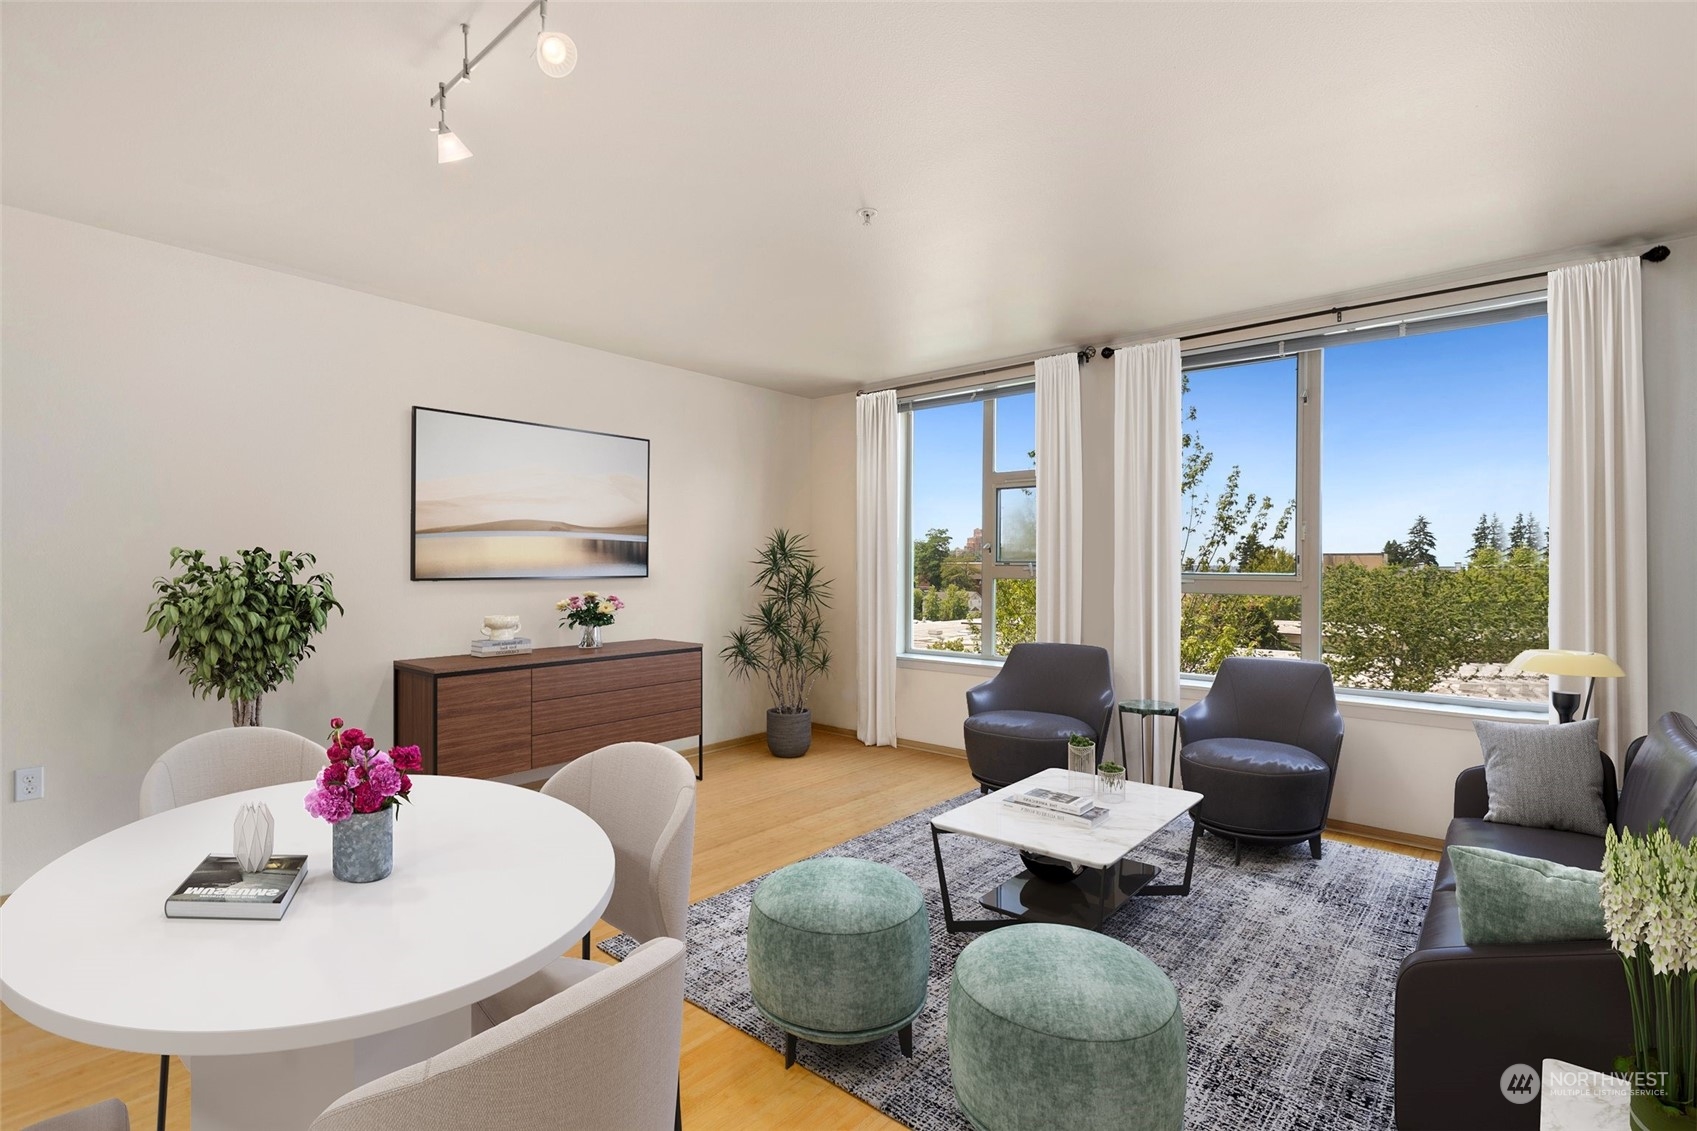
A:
[1052,805]
[516,646]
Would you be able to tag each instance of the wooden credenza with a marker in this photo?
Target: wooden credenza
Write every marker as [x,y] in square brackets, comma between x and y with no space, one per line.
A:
[487,718]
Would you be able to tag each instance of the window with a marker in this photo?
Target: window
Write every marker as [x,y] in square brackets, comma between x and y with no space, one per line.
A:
[1375,496]
[972,515]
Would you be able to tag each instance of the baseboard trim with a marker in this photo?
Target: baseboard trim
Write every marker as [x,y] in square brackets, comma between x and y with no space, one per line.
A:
[1392,836]
[727,743]
[901,743]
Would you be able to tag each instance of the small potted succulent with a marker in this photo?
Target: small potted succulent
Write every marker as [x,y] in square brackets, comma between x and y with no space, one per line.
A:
[1110,779]
[1081,755]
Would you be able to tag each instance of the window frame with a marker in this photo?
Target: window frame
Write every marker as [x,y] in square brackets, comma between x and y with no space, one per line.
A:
[1309,348]
[990,569]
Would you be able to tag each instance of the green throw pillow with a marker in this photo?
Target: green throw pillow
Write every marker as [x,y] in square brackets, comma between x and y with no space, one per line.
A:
[1508,899]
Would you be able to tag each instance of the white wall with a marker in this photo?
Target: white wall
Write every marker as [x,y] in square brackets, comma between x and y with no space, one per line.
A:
[1670,409]
[155,397]
[1398,766]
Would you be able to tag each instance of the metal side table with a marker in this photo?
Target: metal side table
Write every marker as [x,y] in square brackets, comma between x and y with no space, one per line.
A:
[1147,709]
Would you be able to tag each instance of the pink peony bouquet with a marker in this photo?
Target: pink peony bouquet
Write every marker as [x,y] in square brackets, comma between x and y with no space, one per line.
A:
[360,778]
[590,609]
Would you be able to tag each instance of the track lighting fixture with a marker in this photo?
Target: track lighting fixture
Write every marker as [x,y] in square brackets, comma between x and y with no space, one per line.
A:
[449,147]
[556,55]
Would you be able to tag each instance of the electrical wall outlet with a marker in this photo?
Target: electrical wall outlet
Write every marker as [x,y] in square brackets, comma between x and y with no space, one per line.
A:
[29,783]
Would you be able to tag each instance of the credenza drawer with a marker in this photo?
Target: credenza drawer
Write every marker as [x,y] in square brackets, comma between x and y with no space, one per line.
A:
[564,745]
[594,678]
[483,724]
[578,711]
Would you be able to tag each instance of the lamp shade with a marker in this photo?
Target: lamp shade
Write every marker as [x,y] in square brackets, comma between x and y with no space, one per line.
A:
[449,147]
[1563,661]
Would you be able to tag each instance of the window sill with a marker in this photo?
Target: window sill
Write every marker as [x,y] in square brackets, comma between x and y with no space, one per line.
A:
[953,663]
[1450,714]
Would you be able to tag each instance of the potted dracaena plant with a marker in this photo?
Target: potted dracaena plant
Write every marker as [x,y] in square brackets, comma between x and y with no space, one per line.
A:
[239,627]
[784,639]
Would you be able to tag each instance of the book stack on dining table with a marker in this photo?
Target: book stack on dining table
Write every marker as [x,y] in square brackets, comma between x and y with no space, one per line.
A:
[1071,809]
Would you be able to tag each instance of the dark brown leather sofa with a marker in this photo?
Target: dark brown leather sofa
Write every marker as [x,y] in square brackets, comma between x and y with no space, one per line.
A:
[1465,1014]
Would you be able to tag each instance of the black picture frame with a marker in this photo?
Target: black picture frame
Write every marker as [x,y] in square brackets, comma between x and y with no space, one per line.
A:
[412,521]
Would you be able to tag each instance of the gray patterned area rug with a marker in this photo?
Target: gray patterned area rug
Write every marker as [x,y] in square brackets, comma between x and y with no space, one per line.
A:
[1285,966]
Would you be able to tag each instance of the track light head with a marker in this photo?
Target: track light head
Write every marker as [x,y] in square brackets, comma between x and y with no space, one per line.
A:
[556,54]
[449,147]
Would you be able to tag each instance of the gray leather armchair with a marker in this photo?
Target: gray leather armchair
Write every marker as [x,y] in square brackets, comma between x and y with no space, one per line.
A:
[1262,748]
[1018,723]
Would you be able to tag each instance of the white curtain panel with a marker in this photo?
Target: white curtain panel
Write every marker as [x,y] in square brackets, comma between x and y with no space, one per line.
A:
[1060,502]
[878,563]
[1598,510]
[1147,405]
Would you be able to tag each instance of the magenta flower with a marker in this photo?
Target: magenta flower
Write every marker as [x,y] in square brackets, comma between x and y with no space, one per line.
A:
[329,804]
[382,776]
[407,758]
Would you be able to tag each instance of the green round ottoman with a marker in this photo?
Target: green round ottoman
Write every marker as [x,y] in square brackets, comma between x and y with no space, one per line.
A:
[838,952]
[1053,1026]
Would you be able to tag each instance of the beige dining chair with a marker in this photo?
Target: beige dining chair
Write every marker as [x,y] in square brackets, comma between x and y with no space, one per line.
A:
[602,1054]
[227,761]
[214,764]
[643,797]
[108,1115]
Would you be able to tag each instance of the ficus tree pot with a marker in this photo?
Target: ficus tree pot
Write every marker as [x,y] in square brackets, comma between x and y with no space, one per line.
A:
[789,735]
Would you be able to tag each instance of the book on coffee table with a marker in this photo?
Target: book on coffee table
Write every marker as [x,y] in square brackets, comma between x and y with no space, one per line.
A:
[1056,800]
[1088,819]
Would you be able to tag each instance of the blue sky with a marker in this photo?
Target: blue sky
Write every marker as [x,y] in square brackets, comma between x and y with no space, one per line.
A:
[1448,425]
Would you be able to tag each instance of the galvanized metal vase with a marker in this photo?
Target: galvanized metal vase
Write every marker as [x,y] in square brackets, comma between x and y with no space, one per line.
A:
[362,847]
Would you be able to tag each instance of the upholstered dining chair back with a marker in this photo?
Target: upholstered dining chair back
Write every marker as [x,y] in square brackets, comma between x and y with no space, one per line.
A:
[602,1054]
[1273,700]
[643,797]
[227,761]
[109,1115]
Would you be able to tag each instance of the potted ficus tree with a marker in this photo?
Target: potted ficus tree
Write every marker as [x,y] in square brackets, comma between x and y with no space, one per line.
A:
[239,627]
[784,639]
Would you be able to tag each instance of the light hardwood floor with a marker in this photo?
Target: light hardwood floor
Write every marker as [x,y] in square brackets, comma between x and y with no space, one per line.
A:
[755,813]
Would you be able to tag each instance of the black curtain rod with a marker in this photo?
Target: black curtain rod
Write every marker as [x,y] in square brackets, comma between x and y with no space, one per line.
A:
[1657,254]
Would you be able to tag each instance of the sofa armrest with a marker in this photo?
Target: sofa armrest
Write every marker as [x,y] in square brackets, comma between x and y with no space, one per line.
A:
[981,697]
[1465,1015]
[1471,800]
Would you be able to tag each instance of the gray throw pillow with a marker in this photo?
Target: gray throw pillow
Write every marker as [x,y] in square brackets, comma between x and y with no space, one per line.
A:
[1509,900]
[1544,777]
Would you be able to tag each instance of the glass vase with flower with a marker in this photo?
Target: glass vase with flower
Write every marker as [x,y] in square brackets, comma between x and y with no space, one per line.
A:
[590,612]
[359,792]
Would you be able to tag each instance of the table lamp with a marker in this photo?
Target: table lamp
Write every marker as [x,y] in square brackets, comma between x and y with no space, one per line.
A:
[1563,661]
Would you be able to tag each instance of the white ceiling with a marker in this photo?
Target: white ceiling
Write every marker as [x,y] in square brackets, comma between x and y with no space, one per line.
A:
[1044,174]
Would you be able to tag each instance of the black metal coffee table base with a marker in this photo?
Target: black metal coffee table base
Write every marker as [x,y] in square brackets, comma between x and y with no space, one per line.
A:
[1088,901]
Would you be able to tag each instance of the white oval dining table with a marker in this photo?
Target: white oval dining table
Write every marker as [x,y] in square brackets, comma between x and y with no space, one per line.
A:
[277,1019]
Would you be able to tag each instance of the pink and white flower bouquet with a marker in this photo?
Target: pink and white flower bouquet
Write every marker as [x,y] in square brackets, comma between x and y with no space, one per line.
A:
[591,610]
[360,778]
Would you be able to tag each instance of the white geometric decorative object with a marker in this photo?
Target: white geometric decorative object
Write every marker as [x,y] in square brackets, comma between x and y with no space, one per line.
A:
[255,828]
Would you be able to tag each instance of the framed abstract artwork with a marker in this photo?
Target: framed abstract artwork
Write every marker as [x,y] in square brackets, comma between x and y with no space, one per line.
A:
[495,498]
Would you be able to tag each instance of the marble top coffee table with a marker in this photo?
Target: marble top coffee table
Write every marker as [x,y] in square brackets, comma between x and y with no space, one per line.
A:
[1106,875]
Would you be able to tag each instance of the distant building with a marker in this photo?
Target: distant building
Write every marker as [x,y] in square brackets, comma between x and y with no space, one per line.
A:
[1367,561]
